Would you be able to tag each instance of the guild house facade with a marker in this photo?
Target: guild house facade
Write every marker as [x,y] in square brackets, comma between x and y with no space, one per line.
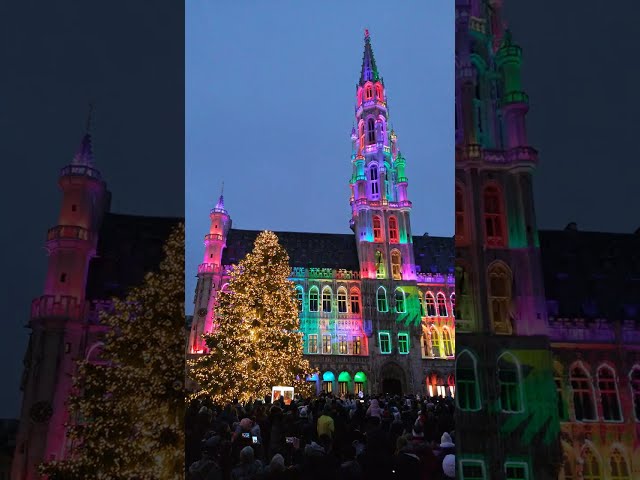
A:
[377,305]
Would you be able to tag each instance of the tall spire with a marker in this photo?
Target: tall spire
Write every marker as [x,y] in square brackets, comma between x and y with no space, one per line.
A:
[84,154]
[369,70]
[220,205]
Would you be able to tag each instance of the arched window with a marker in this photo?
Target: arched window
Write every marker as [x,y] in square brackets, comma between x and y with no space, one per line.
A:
[421,299]
[377,229]
[460,225]
[368,92]
[371,131]
[583,401]
[493,217]
[373,175]
[634,383]
[342,300]
[447,343]
[381,298]
[379,264]
[355,300]
[359,96]
[442,305]
[396,265]
[435,342]
[361,133]
[591,468]
[431,304]
[313,299]
[453,304]
[562,409]
[467,390]
[300,296]
[500,298]
[379,92]
[425,344]
[609,394]
[393,230]
[619,466]
[326,299]
[509,382]
[401,306]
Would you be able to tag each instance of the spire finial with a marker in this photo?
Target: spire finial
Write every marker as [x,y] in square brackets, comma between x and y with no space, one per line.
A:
[366,33]
[222,189]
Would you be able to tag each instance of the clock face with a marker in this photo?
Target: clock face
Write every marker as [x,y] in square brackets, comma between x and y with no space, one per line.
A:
[202,312]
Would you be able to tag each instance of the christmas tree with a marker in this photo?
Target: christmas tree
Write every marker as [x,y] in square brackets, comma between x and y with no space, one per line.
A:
[256,342]
[128,409]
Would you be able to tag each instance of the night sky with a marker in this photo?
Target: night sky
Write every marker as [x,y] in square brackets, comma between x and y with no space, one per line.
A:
[581,71]
[128,58]
[270,106]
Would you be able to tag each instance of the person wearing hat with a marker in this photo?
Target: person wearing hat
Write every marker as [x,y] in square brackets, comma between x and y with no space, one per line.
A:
[445,448]
[207,468]
[248,467]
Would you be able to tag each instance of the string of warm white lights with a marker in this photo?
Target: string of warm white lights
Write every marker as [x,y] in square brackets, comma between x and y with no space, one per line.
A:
[128,410]
[257,343]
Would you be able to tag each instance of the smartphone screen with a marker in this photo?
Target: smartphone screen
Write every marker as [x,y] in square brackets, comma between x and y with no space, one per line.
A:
[255,439]
[246,434]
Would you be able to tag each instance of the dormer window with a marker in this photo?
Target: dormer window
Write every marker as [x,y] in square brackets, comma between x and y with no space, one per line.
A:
[379,92]
[371,131]
[368,92]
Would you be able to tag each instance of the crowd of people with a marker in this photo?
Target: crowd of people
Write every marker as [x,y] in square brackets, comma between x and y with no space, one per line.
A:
[325,437]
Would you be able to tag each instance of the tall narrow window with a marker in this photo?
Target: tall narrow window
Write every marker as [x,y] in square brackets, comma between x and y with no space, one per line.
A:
[342,344]
[356,345]
[431,304]
[382,300]
[379,264]
[326,299]
[400,301]
[609,395]
[562,410]
[442,305]
[583,401]
[313,299]
[371,131]
[313,344]
[361,133]
[467,391]
[509,384]
[435,342]
[500,298]
[634,381]
[373,175]
[447,343]
[368,92]
[326,343]
[396,265]
[453,304]
[393,230]
[403,343]
[493,217]
[591,466]
[355,301]
[300,295]
[377,229]
[421,300]
[379,92]
[460,225]
[342,300]
[385,342]
[619,467]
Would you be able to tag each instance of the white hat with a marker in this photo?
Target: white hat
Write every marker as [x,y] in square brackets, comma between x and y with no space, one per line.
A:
[445,441]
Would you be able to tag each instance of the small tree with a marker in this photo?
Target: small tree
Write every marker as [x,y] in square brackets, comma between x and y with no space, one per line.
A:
[129,409]
[256,342]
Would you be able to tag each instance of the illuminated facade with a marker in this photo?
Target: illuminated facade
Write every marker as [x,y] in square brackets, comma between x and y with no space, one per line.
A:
[376,307]
[93,255]
[548,339]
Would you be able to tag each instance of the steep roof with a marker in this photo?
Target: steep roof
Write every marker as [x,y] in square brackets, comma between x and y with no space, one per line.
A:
[592,274]
[129,246]
[337,250]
